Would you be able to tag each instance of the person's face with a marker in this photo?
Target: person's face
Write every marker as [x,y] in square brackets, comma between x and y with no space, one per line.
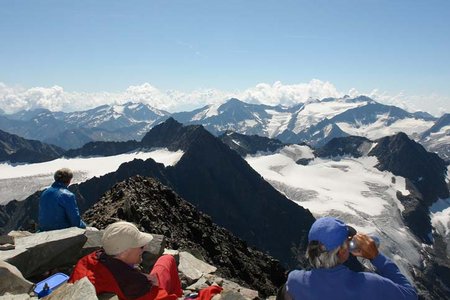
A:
[132,256]
[344,252]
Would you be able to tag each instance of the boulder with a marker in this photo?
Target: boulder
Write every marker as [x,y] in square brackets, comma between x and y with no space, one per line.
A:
[8,296]
[6,239]
[80,290]
[44,251]
[152,252]
[229,287]
[12,280]
[193,268]
[94,240]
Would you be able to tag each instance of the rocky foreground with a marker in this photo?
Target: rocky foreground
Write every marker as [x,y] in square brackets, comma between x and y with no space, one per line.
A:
[27,258]
[207,254]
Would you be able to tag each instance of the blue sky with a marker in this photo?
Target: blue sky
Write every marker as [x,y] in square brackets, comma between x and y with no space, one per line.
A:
[93,46]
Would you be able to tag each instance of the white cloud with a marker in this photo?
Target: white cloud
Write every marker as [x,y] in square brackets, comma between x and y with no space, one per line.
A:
[279,93]
[15,98]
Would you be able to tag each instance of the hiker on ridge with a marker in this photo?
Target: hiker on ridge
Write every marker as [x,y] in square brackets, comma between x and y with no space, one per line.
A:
[327,250]
[58,207]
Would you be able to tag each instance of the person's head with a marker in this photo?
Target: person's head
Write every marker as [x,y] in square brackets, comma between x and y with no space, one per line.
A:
[328,241]
[64,176]
[124,241]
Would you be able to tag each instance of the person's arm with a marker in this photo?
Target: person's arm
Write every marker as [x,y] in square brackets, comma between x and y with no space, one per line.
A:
[388,269]
[70,205]
[398,286]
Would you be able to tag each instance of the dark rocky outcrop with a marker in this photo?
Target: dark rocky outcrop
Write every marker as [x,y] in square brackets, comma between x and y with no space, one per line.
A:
[350,145]
[250,144]
[157,209]
[20,214]
[404,157]
[425,173]
[103,148]
[19,150]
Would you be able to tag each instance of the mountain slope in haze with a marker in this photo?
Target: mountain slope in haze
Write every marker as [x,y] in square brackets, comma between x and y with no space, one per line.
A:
[159,210]
[17,150]
[73,130]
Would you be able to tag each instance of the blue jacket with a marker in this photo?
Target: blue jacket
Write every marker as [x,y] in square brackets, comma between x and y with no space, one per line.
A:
[58,209]
[342,283]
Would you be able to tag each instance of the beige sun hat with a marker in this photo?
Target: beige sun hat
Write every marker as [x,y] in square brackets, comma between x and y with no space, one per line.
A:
[121,236]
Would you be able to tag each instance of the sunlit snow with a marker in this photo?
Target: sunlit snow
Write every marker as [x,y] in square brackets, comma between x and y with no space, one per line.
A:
[379,128]
[314,112]
[20,181]
[212,110]
[277,123]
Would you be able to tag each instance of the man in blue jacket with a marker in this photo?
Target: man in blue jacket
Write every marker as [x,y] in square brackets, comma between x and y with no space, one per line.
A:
[327,250]
[58,207]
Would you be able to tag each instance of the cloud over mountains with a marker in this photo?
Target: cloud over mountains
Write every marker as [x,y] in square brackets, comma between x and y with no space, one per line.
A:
[55,98]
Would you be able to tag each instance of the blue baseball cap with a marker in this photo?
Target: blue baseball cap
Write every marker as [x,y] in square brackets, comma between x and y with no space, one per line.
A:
[330,232]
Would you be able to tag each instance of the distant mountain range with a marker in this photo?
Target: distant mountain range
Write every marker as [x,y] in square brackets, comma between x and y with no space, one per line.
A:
[314,122]
[73,130]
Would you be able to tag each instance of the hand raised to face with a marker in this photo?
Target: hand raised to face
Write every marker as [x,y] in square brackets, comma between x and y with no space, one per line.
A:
[366,247]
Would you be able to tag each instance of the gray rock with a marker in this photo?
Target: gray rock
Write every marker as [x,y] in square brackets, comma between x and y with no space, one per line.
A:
[199,284]
[5,247]
[229,295]
[6,239]
[19,234]
[80,290]
[230,286]
[12,280]
[152,252]
[193,268]
[17,297]
[174,253]
[44,251]
[94,240]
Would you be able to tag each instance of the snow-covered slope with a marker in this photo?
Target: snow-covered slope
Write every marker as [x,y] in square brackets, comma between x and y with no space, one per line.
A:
[349,188]
[437,138]
[20,181]
[114,116]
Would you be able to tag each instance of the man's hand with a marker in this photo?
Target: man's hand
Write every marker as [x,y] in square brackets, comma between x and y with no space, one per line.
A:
[366,246]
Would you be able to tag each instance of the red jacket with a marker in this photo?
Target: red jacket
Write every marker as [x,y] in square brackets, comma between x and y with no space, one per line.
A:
[104,282]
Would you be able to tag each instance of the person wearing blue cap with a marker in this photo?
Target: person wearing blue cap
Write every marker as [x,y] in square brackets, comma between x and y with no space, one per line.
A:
[328,249]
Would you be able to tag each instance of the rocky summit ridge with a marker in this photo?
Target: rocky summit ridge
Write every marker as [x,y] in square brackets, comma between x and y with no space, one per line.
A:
[155,208]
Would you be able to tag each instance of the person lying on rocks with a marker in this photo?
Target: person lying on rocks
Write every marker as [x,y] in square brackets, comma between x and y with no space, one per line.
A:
[327,250]
[58,207]
[113,269]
